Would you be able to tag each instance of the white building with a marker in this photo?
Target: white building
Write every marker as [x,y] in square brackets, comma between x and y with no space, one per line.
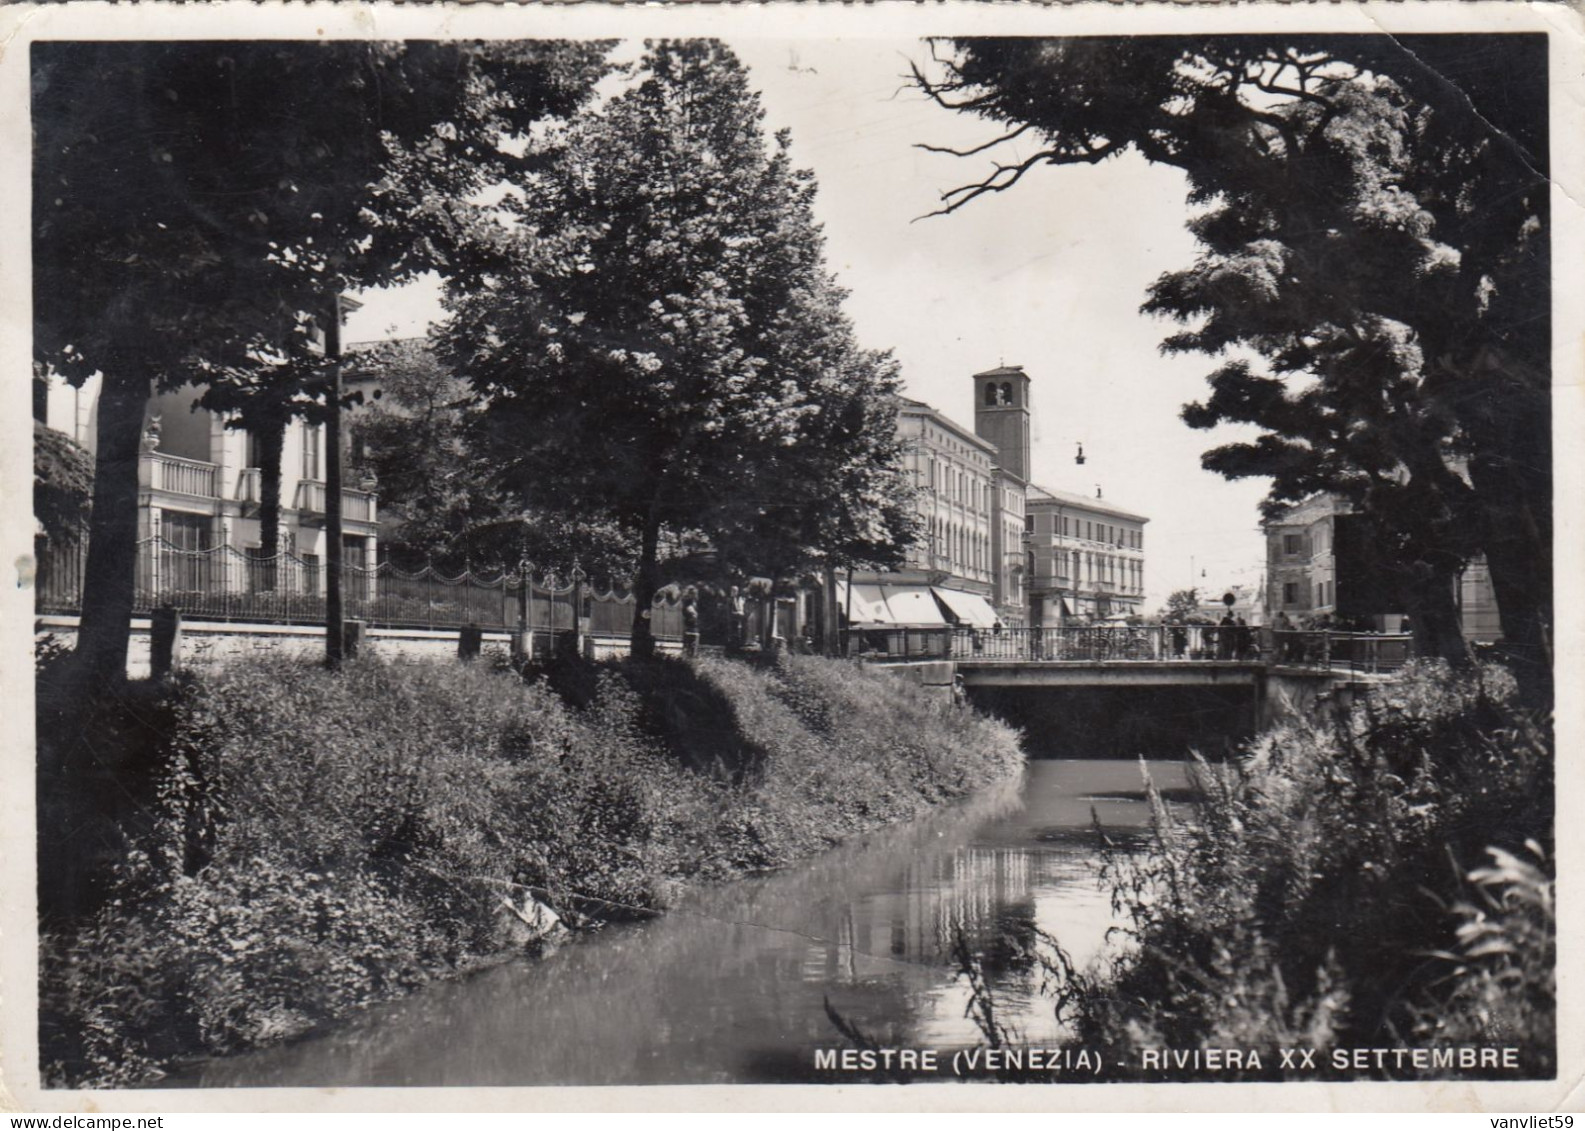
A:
[199,489]
[968,567]
[1086,558]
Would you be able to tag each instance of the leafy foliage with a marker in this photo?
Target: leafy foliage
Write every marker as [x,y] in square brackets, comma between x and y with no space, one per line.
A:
[1182,607]
[319,841]
[63,479]
[1315,898]
[1371,214]
[657,338]
[441,495]
[241,209]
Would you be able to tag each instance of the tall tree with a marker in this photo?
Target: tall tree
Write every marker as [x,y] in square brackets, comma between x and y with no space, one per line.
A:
[654,340]
[1371,214]
[441,498]
[194,199]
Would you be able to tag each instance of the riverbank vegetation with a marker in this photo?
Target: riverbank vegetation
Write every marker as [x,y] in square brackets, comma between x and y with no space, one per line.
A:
[310,842]
[1382,878]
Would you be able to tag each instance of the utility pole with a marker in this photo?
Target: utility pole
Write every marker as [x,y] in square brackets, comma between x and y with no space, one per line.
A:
[335,626]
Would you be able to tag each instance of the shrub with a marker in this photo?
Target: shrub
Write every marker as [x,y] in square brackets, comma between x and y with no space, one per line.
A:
[1307,898]
[319,841]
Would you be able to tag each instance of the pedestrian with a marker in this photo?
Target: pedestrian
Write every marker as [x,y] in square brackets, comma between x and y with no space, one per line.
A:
[1226,634]
[1242,637]
[1284,633]
[690,622]
[1180,640]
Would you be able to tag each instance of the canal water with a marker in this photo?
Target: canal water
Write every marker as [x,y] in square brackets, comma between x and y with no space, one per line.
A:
[731,985]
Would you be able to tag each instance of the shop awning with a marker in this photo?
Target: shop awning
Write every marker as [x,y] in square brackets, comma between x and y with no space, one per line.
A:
[914,606]
[892,605]
[868,605]
[970,609]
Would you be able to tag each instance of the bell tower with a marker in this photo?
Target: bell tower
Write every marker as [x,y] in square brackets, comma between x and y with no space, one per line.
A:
[1001,415]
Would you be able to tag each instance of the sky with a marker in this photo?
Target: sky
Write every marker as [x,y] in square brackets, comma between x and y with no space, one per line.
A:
[1048,275]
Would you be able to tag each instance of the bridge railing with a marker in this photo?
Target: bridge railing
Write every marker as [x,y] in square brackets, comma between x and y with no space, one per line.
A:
[1188,643]
[1110,642]
[1344,651]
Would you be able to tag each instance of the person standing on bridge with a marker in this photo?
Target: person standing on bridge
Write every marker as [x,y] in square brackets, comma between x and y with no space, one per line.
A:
[1226,636]
[1285,640]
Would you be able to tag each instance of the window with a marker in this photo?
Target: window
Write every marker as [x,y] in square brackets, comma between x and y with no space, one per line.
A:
[1029,523]
[184,562]
[1291,543]
[1290,592]
[311,445]
[990,393]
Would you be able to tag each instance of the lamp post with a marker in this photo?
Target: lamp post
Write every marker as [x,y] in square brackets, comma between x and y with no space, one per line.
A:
[525,595]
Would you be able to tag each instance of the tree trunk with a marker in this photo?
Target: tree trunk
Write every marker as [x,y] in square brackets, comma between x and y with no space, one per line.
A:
[111,570]
[830,631]
[271,441]
[642,640]
[1438,629]
[1519,554]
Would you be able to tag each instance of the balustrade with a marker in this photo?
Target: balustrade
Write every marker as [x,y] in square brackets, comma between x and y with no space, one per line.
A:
[356,506]
[181,476]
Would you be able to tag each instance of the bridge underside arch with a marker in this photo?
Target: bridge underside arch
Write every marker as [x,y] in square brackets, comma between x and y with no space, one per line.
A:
[1119,721]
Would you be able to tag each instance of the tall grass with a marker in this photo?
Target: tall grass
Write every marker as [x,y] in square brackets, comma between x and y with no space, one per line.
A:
[318,841]
[1376,879]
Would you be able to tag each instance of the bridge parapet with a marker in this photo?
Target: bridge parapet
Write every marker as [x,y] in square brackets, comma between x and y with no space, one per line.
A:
[1309,650]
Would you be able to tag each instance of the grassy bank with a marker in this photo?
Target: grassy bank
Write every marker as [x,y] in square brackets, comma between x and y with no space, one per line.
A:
[291,845]
[1379,880]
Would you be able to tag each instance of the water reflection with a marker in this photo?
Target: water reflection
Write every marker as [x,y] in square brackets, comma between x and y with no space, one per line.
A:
[731,985]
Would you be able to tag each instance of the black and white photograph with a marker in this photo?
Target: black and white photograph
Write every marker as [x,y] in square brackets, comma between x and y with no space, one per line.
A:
[977,547]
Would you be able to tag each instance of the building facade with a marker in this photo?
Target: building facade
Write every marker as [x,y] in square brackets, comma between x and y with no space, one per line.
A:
[1086,558]
[1322,564]
[199,490]
[968,566]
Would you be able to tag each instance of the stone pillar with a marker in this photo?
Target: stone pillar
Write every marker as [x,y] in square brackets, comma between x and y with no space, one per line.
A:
[165,641]
[469,642]
[522,646]
[151,547]
[353,635]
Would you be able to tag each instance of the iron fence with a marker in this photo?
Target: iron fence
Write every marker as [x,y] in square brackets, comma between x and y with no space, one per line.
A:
[229,585]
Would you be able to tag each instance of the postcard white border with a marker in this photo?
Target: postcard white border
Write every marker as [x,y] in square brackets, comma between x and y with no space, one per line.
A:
[221,19]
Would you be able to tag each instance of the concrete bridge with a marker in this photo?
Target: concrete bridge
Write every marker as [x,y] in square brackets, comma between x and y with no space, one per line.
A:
[1112,690]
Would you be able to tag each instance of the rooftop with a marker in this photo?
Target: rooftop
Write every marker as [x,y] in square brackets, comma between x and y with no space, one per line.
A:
[1038,495]
[908,404]
[1003,371]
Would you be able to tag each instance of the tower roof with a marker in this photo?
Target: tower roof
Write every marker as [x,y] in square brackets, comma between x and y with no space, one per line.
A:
[1004,371]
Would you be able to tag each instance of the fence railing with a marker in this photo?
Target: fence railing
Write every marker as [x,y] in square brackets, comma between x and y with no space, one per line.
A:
[1100,644]
[227,584]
